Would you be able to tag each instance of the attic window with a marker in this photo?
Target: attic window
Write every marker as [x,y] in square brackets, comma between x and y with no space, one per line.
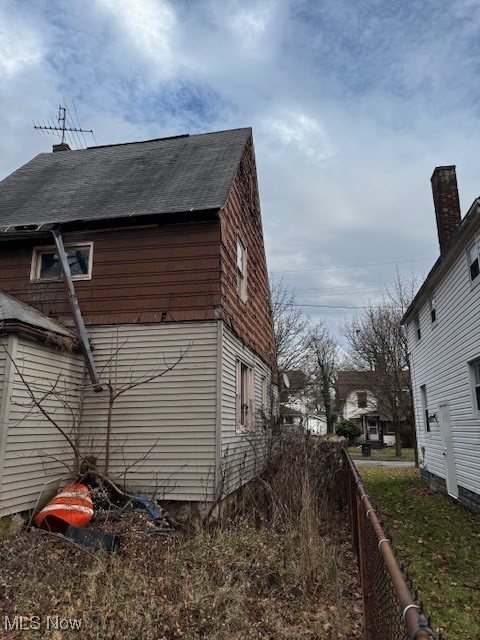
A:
[46,264]
[362,400]
[241,271]
[433,310]
[473,261]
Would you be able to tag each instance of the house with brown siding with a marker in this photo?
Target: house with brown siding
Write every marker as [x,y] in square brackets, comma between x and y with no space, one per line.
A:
[169,302]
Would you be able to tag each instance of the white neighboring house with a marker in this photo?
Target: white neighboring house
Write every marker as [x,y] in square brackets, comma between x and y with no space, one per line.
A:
[298,409]
[295,412]
[443,325]
[357,402]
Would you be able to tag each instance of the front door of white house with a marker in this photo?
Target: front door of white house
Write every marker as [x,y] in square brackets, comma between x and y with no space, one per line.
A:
[448,452]
[373,430]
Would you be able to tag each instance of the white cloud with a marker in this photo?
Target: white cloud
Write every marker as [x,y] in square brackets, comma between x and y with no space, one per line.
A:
[19,48]
[295,131]
[150,27]
[250,26]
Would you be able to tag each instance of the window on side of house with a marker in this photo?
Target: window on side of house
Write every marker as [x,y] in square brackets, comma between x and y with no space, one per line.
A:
[475,376]
[423,398]
[245,403]
[473,261]
[241,270]
[46,263]
[264,394]
[416,328]
[362,399]
[433,310]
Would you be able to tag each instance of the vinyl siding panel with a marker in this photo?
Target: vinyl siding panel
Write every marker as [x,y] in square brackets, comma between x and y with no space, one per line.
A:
[163,431]
[440,362]
[242,454]
[35,452]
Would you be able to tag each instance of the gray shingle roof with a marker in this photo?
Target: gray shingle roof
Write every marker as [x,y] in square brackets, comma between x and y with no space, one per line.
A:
[13,309]
[169,175]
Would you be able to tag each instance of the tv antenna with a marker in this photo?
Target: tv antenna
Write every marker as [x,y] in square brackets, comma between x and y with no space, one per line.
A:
[66,127]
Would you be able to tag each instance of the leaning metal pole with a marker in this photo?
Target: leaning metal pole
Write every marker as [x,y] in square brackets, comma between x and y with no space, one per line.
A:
[414,621]
[77,315]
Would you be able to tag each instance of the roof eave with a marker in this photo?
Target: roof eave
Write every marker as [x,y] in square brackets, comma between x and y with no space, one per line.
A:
[21,232]
[45,335]
[468,223]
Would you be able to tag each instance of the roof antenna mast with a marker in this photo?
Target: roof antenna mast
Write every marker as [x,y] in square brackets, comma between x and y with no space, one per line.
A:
[64,128]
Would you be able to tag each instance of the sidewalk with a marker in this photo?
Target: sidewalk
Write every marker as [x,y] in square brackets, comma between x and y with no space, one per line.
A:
[367,462]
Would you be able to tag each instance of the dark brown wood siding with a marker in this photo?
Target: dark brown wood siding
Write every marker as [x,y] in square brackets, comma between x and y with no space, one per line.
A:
[152,274]
[241,219]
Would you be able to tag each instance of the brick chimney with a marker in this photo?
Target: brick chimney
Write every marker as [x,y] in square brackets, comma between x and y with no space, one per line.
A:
[61,146]
[447,204]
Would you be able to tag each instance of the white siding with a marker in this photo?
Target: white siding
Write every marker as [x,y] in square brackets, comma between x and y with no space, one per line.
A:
[163,431]
[35,452]
[242,454]
[440,362]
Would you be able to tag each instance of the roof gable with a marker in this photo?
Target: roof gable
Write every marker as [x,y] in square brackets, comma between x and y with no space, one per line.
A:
[168,175]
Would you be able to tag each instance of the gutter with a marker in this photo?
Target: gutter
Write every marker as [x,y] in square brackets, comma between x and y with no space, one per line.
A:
[77,315]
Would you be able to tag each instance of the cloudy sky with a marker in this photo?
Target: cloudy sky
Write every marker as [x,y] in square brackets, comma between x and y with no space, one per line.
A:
[352,103]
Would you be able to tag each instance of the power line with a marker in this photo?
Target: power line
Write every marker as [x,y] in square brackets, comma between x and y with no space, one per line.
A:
[352,266]
[325,306]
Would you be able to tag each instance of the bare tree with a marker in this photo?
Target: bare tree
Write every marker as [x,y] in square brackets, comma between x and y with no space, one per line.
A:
[40,396]
[291,326]
[324,353]
[378,343]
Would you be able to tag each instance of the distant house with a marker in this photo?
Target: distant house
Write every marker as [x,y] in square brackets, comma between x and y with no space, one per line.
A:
[297,407]
[163,251]
[359,399]
[443,325]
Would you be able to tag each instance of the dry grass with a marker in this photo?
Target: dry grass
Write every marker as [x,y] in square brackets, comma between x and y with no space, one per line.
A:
[276,565]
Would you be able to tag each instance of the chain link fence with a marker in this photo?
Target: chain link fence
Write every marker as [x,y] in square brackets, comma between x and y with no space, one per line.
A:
[391,612]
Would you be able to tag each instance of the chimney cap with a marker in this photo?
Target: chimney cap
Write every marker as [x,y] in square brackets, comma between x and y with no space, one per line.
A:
[443,168]
[62,146]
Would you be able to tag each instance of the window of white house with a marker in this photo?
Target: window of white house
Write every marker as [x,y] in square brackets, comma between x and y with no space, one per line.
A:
[362,399]
[433,309]
[390,429]
[245,403]
[423,397]
[416,326]
[46,263]
[475,374]
[241,271]
[473,261]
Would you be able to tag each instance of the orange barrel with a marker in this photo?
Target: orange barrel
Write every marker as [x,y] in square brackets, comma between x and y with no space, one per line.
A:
[73,505]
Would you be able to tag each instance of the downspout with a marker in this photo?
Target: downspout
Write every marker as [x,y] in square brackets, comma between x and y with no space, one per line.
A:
[77,315]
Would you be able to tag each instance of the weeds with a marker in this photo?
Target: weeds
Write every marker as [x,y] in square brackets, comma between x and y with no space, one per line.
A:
[276,565]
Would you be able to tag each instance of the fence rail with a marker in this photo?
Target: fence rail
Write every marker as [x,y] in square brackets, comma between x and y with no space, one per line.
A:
[390,612]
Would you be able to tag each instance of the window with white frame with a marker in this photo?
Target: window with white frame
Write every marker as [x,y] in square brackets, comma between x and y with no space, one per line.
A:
[241,270]
[475,376]
[46,262]
[245,403]
[474,266]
